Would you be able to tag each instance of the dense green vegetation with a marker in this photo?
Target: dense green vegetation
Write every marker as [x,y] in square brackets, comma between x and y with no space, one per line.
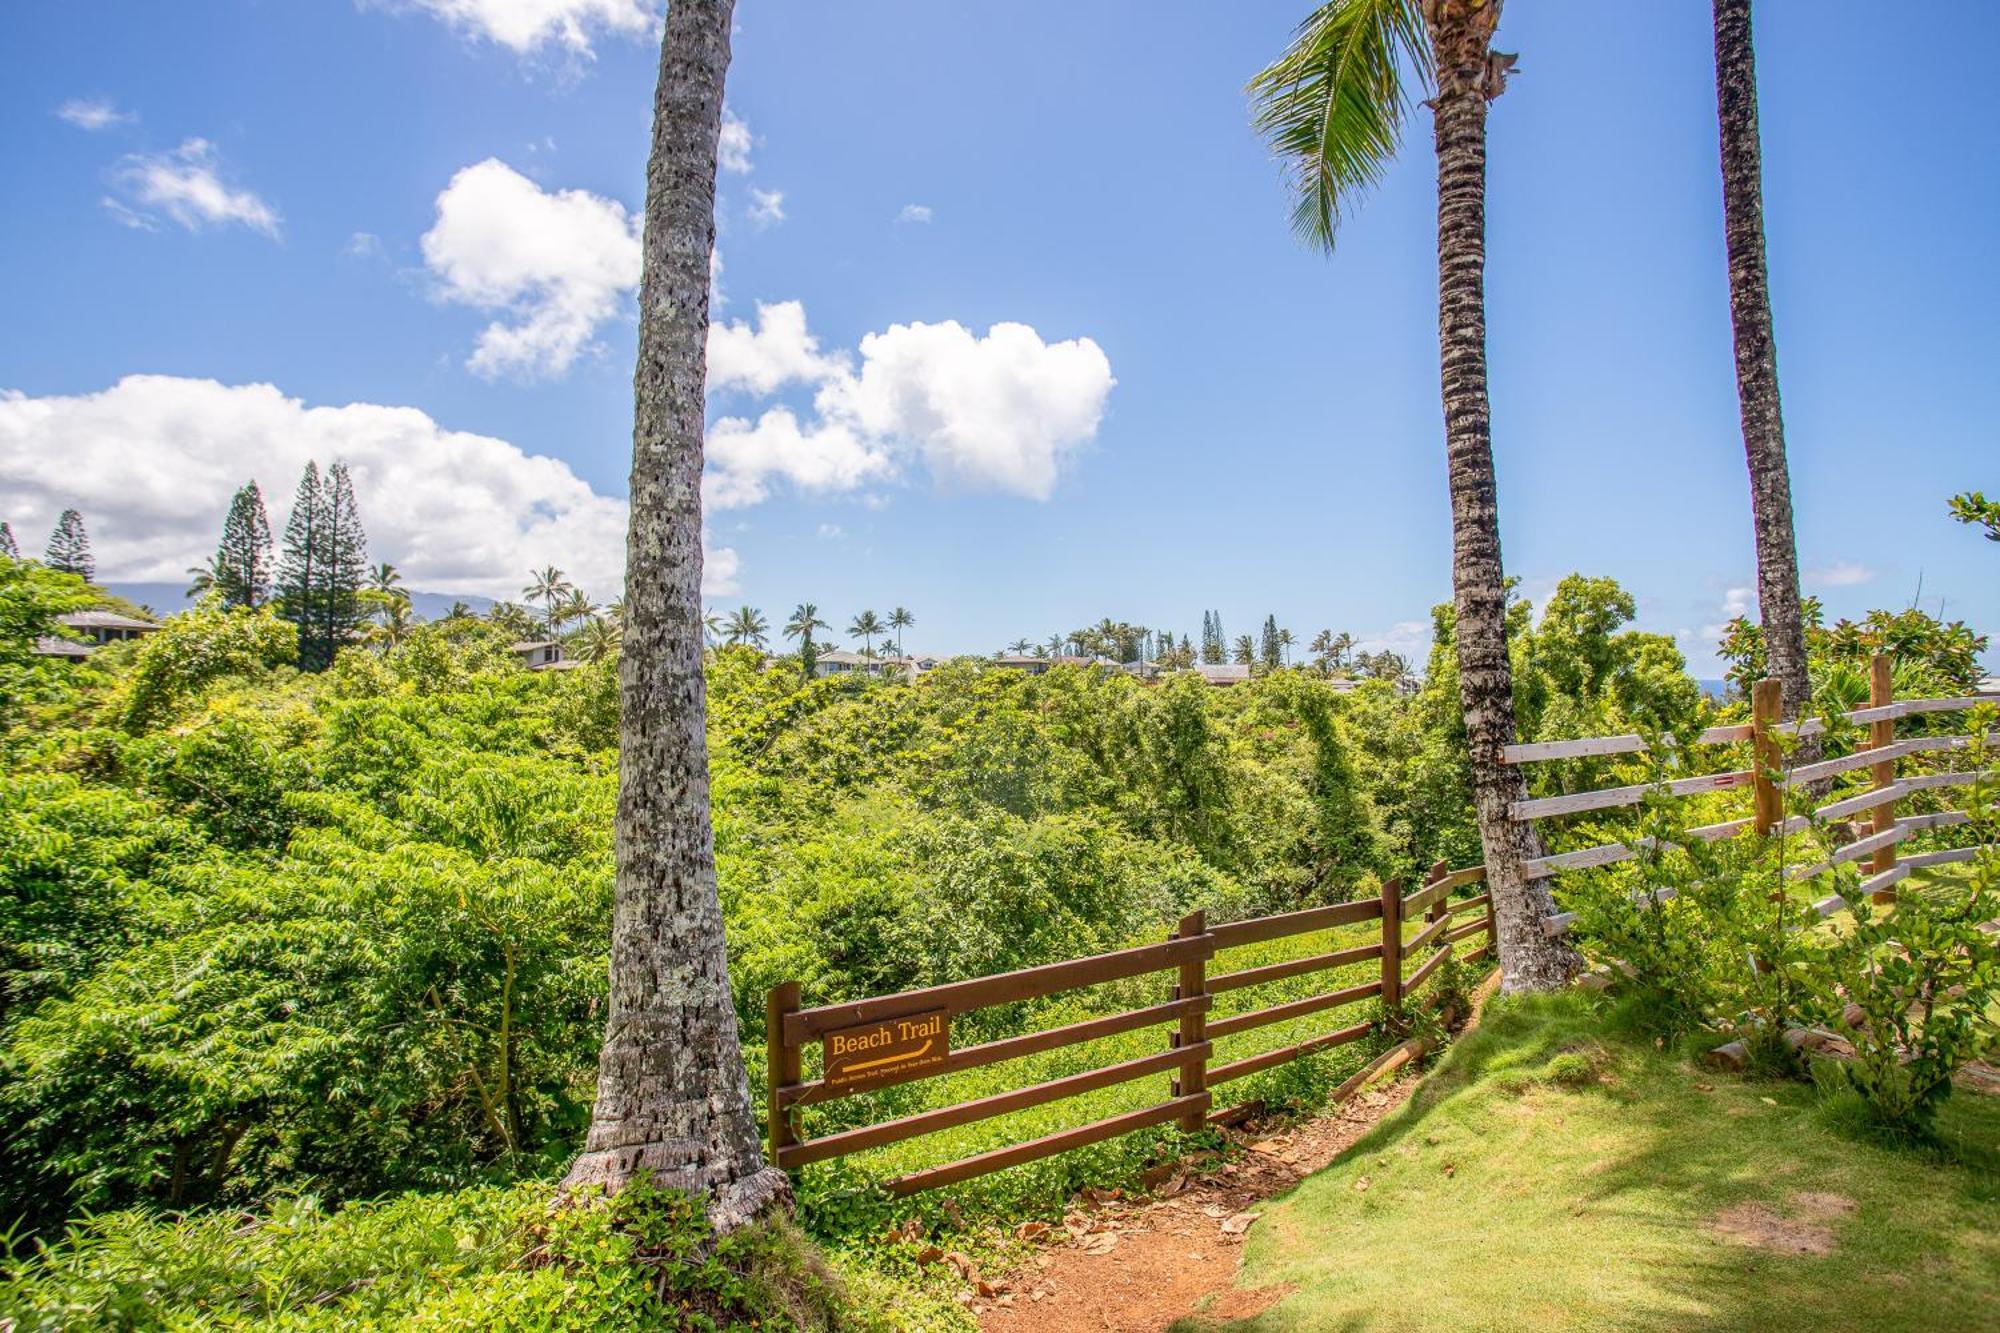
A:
[1557,1173]
[275,942]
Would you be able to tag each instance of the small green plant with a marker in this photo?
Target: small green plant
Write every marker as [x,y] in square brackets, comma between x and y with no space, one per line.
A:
[1915,987]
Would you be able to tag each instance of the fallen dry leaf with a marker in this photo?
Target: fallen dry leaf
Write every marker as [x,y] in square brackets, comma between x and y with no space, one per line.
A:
[1102,1243]
[1031,1231]
[1362,1183]
[1238,1224]
[930,1254]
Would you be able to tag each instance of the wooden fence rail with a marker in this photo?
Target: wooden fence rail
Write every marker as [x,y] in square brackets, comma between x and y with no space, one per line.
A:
[906,1037]
[1768,781]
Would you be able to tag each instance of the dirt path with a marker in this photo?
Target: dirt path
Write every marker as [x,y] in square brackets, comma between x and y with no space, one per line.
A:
[1136,1264]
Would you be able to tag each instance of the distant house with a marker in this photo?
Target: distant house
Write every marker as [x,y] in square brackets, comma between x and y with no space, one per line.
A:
[95,628]
[1991,685]
[1035,666]
[1222,673]
[541,655]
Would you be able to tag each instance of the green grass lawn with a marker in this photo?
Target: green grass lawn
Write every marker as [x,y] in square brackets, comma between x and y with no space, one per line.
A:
[1551,1175]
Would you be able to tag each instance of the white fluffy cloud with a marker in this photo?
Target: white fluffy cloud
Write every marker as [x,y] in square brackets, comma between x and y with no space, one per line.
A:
[94,113]
[187,185]
[557,266]
[524,26]
[732,147]
[915,213]
[767,207]
[780,350]
[1000,412]
[1840,574]
[152,462]
[1735,602]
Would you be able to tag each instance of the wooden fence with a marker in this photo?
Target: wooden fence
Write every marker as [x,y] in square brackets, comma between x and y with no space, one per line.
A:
[1881,756]
[906,1037]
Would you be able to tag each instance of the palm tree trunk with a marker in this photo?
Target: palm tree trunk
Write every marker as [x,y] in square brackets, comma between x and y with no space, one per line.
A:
[1469,75]
[672,1097]
[1757,355]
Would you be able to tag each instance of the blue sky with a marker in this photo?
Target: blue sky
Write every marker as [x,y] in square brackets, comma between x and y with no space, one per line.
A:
[240,191]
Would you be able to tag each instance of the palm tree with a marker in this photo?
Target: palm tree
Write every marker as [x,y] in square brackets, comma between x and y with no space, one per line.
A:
[672,1098]
[599,640]
[900,620]
[865,627]
[384,577]
[711,624]
[393,621]
[1332,106]
[1246,650]
[576,606]
[746,624]
[512,617]
[1020,647]
[805,619]
[458,611]
[546,586]
[1285,642]
[1778,602]
[203,578]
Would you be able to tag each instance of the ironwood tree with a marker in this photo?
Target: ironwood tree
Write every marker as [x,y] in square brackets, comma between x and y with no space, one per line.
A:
[1333,106]
[324,565]
[8,546]
[1779,605]
[673,1099]
[241,571]
[69,547]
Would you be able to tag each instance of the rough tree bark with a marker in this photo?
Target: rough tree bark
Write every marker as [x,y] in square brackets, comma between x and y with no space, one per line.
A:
[1778,602]
[673,1100]
[1470,74]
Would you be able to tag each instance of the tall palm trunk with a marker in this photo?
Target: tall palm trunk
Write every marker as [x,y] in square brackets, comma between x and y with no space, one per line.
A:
[1757,355]
[1469,75]
[672,1097]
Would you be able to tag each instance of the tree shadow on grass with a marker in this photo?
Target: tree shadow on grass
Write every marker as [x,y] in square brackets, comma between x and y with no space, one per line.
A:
[1712,1200]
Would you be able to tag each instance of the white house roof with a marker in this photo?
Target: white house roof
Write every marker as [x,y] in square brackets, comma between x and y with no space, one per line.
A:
[51,647]
[103,620]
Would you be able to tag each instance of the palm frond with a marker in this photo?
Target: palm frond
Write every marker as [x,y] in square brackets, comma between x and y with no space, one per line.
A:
[1332,106]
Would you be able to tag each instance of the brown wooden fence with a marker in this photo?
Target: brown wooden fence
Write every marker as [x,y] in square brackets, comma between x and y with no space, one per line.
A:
[905,1037]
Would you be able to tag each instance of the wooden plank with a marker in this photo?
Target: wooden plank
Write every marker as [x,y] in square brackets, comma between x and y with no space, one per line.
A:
[1471,904]
[1255,1064]
[1937,819]
[1321,962]
[1279,1013]
[1881,740]
[1468,929]
[1427,935]
[1048,1145]
[1458,879]
[1237,933]
[1031,983]
[1812,726]
[1416,904]
[1855,850]
[1604,854]
[1919,707]
[1423,974]
[1560,923]
[1867,800]
[1829,905]
[1011,1048]
[1947,857]
[1192,1038]
[1827,768]
[983,1108]
[1920,781]
[781,1065]
[1586,747]
[1608,797]
[1877,883]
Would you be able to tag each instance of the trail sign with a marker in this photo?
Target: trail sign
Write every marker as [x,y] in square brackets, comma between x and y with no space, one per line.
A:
[894,1046]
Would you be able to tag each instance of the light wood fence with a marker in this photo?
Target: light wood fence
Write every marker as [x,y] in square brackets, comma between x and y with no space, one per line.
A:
[1880,847]
[907,1035]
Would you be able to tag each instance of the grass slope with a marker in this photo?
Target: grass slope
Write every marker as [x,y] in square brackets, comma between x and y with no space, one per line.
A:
[1552,1175]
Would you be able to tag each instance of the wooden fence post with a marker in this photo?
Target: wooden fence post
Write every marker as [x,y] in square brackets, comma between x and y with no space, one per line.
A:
[1392,944]
[1881,693]
[781,1063]
[1766,707]
[1194,1023]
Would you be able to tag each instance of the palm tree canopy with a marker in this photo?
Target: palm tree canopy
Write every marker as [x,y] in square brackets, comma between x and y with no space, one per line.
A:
[545,585]
[1332,106]
[384,577]
[900,618]
[805,619]
[746,624]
